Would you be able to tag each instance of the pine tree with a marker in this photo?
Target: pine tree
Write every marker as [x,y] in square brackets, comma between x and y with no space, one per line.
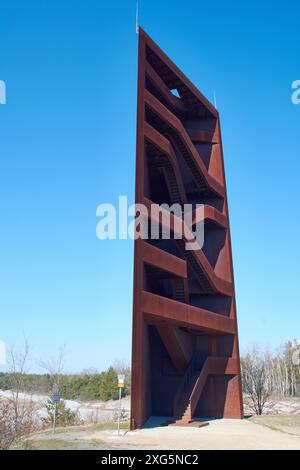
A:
[108,389]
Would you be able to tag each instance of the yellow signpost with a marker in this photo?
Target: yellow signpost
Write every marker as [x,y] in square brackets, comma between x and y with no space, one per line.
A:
[121,384]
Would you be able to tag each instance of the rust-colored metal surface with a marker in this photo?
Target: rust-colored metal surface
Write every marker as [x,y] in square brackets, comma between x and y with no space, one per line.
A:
[185,356]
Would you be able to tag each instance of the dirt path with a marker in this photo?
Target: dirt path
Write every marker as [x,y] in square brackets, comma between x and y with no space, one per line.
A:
[220,434]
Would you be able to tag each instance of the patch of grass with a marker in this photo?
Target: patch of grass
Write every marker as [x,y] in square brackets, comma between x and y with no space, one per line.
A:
[110,425]
[286,420]
[50,444]
[290,424]
[125,426]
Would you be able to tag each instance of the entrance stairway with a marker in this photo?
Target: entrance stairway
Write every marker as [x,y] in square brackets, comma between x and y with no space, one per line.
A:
[182,405]
[192,385]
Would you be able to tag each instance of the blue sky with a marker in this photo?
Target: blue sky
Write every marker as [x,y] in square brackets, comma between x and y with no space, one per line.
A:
[67,143]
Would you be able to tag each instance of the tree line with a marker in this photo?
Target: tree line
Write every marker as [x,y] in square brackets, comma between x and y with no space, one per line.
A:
[89,385]
[265,373]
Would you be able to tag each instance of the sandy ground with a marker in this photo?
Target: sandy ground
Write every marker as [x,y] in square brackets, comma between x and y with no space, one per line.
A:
[220,434]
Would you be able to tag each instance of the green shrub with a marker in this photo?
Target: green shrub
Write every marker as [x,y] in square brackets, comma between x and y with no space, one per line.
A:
[64,416]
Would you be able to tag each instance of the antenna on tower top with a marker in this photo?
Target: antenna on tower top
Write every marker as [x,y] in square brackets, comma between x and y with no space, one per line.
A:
[215,100]
[137,18]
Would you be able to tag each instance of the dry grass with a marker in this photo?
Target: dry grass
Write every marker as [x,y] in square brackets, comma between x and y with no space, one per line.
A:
[289,424]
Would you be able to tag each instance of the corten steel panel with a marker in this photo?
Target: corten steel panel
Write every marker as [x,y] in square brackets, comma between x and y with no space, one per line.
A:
[185,355]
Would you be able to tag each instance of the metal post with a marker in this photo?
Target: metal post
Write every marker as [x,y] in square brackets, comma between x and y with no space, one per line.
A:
[119,414]
[54,419]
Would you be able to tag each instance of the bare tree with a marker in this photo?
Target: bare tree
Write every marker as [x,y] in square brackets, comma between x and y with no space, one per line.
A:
[55,367]
[255,379]
[7,425]
[17,410]
[18,366]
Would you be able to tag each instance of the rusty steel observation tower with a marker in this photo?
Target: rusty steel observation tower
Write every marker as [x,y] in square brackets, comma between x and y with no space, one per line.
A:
[185,356]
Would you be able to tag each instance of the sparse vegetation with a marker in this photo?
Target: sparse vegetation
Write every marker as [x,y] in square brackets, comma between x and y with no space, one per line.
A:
[19,412]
